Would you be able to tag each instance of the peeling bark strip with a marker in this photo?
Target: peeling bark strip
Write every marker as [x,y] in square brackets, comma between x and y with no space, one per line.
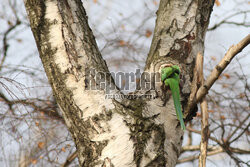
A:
[128,133]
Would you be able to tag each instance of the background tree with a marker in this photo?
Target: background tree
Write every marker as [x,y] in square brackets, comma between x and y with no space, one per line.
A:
[49,147]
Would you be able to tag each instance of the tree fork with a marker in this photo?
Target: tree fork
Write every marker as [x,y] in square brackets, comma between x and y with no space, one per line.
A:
[109,132]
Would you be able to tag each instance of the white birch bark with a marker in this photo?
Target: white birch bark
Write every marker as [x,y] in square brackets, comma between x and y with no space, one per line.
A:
[107,132]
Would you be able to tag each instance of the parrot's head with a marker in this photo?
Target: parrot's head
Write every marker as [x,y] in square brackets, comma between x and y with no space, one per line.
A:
[169,72]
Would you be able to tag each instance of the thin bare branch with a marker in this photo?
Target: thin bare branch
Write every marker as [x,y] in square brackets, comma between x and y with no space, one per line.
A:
[233,51]
[190,137]
[70,159]
[191,158]
[197,148]
[213,148]
[5,43]
[204,118]
[238,127]
[225,21]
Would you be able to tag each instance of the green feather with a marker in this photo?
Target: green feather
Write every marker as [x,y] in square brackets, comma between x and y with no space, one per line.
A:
[170,76]
[174,86]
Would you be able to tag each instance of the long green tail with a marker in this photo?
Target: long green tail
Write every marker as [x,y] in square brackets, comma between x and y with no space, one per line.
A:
[174,86]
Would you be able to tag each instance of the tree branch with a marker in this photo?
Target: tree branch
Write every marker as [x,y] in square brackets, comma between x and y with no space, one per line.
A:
[70,159]
[191,158]
[5,42]
[204,119]
[224,21]
[203,90]
[233,51]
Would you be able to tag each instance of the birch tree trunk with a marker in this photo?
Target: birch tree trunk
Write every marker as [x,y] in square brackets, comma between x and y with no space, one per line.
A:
[109,132]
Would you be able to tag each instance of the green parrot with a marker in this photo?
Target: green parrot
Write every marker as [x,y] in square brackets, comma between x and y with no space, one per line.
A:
[170,76]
